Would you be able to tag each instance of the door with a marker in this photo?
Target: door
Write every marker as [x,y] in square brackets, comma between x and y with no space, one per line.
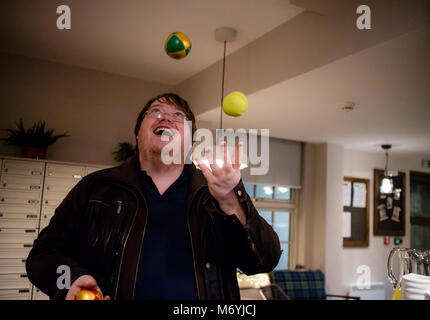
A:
[420,210]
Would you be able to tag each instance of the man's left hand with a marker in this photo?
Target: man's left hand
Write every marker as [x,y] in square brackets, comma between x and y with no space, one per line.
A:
[222,180]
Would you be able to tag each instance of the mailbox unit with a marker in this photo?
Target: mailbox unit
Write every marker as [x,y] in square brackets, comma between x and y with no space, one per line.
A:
[30,191]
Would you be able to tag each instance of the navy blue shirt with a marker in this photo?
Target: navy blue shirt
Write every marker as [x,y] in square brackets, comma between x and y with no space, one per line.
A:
[166,268]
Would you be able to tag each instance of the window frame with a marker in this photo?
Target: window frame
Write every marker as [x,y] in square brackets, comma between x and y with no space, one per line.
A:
[292,206]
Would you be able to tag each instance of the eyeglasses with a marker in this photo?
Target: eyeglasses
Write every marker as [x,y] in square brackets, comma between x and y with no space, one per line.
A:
[156,113]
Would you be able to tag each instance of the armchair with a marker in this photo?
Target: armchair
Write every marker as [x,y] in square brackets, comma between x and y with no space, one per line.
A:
[303,285]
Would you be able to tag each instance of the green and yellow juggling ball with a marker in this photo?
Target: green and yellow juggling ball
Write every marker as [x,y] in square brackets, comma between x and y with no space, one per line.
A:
[177,45]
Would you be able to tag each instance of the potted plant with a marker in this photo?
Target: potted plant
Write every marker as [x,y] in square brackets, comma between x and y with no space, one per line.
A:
[124,151]
[33,141]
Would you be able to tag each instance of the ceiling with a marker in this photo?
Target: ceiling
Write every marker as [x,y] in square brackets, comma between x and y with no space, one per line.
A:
[127,37]
[388,82]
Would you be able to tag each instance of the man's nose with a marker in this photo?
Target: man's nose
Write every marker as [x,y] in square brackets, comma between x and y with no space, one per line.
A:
[166,117]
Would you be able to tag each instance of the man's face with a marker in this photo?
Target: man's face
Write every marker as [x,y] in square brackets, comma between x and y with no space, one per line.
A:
[155,133]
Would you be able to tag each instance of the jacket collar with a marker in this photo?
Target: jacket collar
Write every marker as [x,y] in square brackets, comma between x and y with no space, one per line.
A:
[128,173]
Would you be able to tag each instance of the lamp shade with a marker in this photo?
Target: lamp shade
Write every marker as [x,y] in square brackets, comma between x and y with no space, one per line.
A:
[386,185]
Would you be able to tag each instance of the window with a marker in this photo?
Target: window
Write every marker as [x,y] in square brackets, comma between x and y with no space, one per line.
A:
[278,206]
[264,191]
[249,187]
[282,193]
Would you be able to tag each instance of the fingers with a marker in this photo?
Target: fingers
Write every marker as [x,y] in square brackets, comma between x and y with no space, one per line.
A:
[209,155]
[212,165]
[205,169]
[227,159]
[88,282]
[238,155]
[83,282]
[71,294]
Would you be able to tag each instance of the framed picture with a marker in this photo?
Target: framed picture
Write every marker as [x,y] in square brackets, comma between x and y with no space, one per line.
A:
[389,209]
[355,220]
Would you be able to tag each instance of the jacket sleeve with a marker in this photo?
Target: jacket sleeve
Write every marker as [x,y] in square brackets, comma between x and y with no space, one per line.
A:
[55,245]
[254,246]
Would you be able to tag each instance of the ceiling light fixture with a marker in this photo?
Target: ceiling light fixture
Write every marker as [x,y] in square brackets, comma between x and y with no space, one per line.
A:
[349,106]
[387,185]
[224,35]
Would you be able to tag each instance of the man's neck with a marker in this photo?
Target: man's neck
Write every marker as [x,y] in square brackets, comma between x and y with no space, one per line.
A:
[154,167]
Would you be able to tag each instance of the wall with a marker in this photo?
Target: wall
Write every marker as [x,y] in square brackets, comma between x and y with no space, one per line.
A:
[360,165]
[311,220]
[334,209]
[97,109]
[320,213]
[319,240]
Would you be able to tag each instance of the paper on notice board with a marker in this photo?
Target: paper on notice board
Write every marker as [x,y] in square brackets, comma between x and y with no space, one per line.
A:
[347,193]
[359,200]
[346,225]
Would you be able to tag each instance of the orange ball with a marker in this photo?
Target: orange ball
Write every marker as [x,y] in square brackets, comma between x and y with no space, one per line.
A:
[86,294]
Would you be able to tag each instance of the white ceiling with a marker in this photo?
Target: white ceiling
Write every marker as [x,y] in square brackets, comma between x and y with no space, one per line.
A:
[127,37]
[389,84]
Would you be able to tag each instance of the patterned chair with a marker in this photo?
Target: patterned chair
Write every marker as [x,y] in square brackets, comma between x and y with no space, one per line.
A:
[303,285]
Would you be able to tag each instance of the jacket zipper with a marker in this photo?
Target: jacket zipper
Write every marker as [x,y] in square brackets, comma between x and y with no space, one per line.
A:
[192,252]
[118,210]
[140,249]
[194,260]
[125,242]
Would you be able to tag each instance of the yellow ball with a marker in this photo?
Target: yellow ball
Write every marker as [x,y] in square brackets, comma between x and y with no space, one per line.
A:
[235,104]
[177,45]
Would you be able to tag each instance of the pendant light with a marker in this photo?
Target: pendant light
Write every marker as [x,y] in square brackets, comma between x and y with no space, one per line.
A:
[223,35]
[387,185]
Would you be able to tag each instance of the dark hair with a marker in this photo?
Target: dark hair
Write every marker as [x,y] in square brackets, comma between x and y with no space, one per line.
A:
[169,98]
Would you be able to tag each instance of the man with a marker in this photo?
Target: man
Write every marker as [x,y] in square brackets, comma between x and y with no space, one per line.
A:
[148,229]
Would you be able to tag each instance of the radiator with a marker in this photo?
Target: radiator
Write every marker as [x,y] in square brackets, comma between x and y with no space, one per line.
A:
[375,292]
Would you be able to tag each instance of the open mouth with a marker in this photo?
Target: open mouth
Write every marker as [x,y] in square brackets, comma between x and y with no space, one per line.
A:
[160,131]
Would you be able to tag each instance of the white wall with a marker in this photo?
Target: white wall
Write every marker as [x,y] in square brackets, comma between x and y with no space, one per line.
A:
[334,209]
[97,109]
[319,240]
[320,213]
[311,217]
[360,165]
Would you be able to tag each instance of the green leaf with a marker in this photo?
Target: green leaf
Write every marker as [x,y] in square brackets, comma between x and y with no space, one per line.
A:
[35,136]
[124,151]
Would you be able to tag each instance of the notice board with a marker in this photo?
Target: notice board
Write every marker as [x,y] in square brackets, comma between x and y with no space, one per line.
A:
[355,220]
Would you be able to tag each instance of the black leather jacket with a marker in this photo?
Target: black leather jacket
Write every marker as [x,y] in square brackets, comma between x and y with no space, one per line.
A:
[99,228]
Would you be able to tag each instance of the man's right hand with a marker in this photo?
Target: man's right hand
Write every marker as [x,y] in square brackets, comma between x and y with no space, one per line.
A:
[83,282]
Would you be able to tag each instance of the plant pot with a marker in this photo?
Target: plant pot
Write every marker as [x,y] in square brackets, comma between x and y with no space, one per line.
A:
[34,152]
